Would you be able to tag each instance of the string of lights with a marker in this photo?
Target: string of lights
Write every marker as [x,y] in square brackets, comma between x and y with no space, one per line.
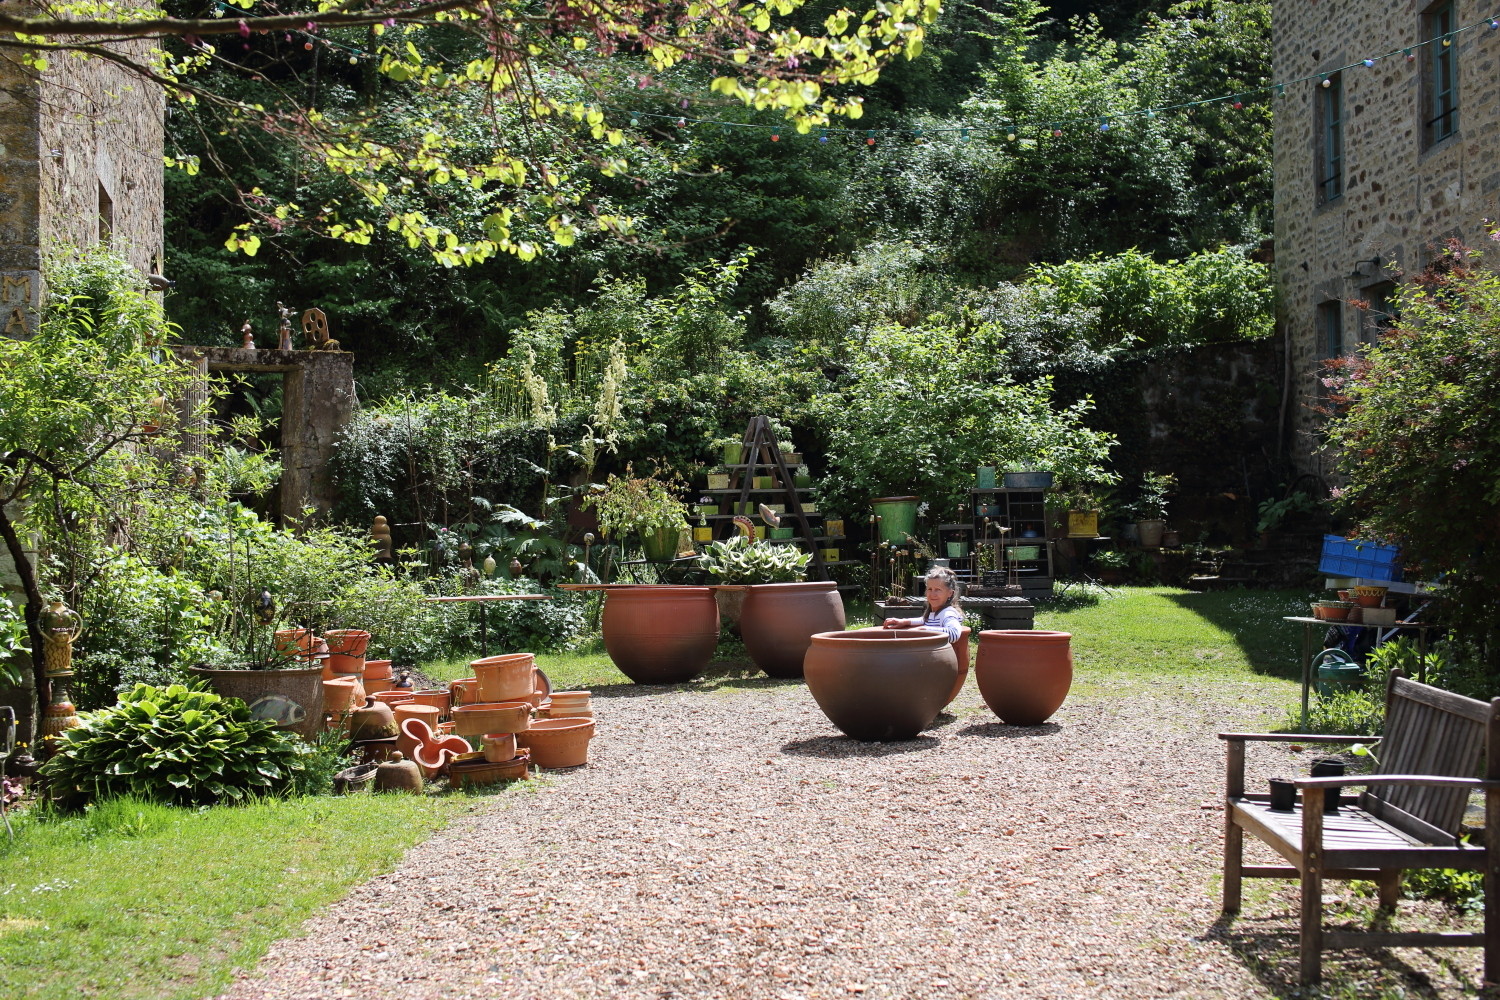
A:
[1012,131]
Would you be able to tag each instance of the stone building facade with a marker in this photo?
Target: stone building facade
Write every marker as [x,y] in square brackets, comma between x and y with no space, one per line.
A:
[1387,142]
[80,162]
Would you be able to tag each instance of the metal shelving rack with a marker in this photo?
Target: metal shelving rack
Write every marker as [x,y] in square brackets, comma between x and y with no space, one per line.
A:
[763,455]
[1009,519]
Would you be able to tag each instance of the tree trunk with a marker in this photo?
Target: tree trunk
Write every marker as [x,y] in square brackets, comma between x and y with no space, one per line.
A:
[33,611]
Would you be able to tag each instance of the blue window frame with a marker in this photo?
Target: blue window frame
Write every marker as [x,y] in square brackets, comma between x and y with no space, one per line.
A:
[1440,81]
[1331,149]
[1331,328]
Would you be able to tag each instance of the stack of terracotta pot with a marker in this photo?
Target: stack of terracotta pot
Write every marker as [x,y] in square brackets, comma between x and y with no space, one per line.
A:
[506,691]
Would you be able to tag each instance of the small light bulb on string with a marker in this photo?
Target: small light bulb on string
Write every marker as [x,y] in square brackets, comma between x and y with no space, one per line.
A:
[963,136]
[354,60]
[634,121]
[1057,133]
[307,46]
[1104,124]
[822,135]
[682,123]
[1326,83]
[870,137]
[1238,105]
[1447,41]
[775,137]
[1150,114]
[1494,24]
[1281,90]
[1408,54]
[1011,135]
[1369,63]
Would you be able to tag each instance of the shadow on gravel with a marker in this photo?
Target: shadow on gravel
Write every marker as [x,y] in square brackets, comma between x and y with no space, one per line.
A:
[843,746]
[1002,731]
[1267,948]
[734,674]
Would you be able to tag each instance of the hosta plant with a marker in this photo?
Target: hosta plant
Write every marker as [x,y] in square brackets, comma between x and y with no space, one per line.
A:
[176,744]
[738,560]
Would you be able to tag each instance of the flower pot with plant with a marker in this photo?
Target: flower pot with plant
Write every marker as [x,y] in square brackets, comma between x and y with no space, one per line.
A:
[643,506]
[1151,507]
[777,612]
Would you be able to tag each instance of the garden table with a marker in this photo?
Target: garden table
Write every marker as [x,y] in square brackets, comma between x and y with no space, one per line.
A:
[484,599]
[1308,624]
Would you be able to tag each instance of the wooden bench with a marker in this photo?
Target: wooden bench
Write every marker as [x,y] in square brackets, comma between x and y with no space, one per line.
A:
[1409,816]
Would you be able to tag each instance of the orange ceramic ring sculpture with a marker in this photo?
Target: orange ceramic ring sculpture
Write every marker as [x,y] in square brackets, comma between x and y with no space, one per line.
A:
[880,685]
[1024,674]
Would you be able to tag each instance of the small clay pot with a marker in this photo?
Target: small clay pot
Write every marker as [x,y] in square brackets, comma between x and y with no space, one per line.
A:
[378,670]
[499,747]
[504,678]
[464,691]
[338,695]
[438,699]
[347,641]
[415,710]
[372,721]
[398,775]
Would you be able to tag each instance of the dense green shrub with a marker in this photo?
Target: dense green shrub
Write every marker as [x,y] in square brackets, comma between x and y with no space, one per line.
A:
[173,744]
[1415,421]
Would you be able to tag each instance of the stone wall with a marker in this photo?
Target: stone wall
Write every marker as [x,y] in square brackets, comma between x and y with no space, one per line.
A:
[1399,199]
[80,160]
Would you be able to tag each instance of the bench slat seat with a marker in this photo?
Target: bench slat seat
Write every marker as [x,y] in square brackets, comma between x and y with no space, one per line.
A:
[1409,816]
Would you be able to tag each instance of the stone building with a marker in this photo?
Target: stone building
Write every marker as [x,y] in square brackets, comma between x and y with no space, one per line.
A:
[80,163]
[1387,142]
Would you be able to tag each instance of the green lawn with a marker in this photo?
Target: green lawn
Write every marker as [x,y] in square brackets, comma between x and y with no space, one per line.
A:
[144,901]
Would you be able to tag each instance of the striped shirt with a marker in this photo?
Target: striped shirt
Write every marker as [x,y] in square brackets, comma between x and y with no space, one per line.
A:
[948,619]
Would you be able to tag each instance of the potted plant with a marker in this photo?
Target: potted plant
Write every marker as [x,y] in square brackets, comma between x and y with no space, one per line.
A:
[1111,565]
[777,612]
[1079,506]
[1151,507]
[250,661]
[731,448]
[641,505]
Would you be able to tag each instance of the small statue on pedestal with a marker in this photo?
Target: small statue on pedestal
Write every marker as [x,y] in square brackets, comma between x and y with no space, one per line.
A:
[247,338]
[284,331]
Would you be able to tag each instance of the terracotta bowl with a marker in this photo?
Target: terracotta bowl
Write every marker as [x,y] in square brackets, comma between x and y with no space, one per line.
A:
[492,717]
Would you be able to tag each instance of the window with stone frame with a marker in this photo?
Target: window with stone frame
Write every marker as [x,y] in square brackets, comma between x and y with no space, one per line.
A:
[1330,329]
[1439,90]
[1330,124]
[1379,312]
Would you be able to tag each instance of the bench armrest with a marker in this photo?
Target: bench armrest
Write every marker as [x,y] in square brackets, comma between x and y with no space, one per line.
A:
[1296,738]
[1435,780]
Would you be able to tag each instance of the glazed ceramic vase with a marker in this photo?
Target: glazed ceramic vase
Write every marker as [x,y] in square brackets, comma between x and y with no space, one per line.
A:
[660,635]
[1024,674]
[881,685]
[778,621]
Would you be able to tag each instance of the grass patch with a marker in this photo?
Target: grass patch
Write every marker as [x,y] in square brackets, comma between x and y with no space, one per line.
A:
[134,899]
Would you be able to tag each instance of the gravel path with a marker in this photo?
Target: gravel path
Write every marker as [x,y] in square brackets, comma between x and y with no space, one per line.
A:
[729,843]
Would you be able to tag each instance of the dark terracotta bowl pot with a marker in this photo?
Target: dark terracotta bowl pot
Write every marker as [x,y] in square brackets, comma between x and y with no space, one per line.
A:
[778,621]
[881,685]
[1024,674]
[660,635]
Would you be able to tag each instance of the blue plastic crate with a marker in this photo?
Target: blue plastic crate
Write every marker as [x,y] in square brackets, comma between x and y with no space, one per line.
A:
[1342,557]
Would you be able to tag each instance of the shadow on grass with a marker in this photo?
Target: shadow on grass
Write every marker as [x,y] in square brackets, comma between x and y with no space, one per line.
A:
[835,747]
[1268,949]
[1272,647]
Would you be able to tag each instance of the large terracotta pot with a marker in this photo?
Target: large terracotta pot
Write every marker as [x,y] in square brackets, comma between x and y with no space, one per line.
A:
[293,699]
[878,684]
[961,651]
[778,621]
[504,678]
[1024,674]
[660,635]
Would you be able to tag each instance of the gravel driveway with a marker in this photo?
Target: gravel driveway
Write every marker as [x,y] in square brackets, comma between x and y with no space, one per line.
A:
[730,843]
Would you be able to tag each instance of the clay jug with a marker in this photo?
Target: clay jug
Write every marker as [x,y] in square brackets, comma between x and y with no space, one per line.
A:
[398,775]
[372,721]
[504,678]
